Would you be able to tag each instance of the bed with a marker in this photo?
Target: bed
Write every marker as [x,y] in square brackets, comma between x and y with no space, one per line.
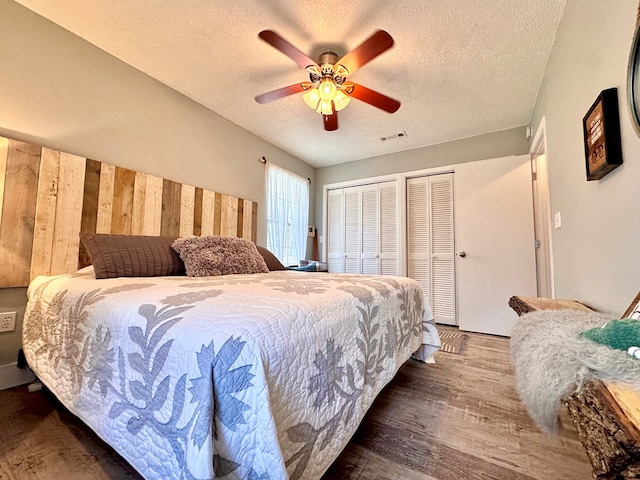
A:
[252,376]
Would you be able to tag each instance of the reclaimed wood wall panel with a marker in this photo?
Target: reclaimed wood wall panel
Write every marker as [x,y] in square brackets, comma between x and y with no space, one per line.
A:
[45,211]
[153,206]
[217,213]
[209,212]
[18,212]
[240,218]
[171,196]
[254,222]
[4,150]
[66,242]
[139,192]
[187,206]
[89,206]
[197,211]
[122,206]
[246,220]
[229,216]
[48,197]
[105,198]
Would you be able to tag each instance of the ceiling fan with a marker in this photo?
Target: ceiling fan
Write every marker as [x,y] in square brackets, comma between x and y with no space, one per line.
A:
[328,92]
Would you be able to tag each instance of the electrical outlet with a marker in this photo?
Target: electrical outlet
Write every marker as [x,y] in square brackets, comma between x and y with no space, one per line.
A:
[7,321]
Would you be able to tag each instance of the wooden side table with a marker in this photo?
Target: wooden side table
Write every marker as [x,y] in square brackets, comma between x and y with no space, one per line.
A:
[605,414]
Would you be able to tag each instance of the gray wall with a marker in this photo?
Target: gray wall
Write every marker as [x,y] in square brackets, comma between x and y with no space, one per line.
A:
[481,147]
[596,251]
[59,91]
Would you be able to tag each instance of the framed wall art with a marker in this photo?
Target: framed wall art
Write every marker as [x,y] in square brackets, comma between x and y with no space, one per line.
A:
[601,127]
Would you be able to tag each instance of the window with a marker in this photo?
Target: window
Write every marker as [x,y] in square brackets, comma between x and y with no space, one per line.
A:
[287,214]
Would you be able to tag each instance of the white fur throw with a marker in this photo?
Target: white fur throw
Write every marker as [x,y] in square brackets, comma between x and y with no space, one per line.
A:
[215,255]
[552,360]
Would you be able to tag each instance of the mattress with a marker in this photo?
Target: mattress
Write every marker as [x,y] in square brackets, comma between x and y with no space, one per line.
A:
[262,376]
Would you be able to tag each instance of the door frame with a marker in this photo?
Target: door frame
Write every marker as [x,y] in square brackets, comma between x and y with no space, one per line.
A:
[539,147]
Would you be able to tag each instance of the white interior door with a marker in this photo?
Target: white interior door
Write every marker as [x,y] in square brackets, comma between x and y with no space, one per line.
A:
[494,229]
[542,224]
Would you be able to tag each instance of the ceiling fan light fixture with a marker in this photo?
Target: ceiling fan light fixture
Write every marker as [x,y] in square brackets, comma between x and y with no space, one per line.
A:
[341,100]
[327,90]
[311,97]
[325,107]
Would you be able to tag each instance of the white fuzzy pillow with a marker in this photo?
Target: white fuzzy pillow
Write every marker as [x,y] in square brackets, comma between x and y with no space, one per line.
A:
[215,255]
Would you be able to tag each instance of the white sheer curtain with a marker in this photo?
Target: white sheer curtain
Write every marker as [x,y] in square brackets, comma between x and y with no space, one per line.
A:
[287,214]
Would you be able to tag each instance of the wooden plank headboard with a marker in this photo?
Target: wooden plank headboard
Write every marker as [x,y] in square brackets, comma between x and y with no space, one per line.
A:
[48,197]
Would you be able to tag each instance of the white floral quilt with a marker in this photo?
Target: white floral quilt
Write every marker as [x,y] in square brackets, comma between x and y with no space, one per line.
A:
[262,376]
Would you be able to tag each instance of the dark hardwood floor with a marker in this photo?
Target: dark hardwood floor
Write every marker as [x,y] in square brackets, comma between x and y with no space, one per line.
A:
[459,419]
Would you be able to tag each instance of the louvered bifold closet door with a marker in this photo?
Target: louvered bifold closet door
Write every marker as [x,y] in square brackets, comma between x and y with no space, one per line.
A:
[352,229]
[443,299]
[335,234]
[389,257]
[430,242]
[370,237]
[418,248]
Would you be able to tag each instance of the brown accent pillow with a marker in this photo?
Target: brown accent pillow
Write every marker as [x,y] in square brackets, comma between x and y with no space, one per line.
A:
[214,255]
[273,264]
[132,255]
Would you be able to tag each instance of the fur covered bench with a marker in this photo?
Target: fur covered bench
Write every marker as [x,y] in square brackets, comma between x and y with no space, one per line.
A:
[605,411]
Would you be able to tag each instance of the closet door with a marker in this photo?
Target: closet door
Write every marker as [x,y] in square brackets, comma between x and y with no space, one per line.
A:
[335,227]
[362,229]
[352,229]
[443,292]
[418,247]
[370,238]
[389,257]
[430,242]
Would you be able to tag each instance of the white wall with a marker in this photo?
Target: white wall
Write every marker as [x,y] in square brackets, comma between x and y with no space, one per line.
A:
[596,252]
[59,91]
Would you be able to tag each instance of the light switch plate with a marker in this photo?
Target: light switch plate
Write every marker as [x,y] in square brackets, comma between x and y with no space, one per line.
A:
[557,220]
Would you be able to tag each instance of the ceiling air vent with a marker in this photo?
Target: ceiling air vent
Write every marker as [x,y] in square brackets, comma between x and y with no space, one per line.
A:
[396,135]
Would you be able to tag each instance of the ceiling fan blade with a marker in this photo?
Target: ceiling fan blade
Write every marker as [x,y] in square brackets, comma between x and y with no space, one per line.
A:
[330,121]
[373,46]
[279,93]
[374,98]
[279,43]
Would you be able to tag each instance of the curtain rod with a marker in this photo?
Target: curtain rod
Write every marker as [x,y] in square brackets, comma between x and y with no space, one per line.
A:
[263,159]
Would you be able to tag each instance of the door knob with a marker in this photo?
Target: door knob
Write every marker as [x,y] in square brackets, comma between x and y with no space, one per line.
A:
[463,254]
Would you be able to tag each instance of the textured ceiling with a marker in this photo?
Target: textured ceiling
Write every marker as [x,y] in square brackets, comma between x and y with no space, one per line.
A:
[460,67]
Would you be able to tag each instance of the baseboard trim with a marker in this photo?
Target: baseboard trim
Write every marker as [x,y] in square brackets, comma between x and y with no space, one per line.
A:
[12,376]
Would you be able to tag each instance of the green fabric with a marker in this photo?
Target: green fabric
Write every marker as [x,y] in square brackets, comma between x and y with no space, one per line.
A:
[618,334]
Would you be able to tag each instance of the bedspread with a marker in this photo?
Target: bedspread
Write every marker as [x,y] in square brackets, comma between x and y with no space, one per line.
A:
[262,376]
